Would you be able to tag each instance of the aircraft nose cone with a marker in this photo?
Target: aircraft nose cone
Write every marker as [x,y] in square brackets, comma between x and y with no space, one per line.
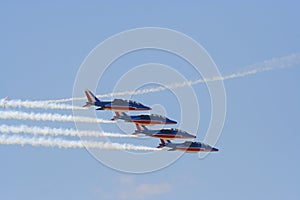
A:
[190,136]
[144,108]
[147,108]
[214,149]
[171,121]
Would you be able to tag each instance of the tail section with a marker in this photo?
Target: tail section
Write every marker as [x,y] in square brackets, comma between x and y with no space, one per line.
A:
[138,127]
[118,115]
[92,99]
[121,114]
[162,144]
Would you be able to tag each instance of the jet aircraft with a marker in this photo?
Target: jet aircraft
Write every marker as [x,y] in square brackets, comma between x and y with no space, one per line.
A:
[188,146]
[143,119]
[167,134]
[115,105]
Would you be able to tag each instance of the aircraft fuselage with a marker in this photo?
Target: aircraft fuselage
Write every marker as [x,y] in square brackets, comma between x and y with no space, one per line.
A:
[145,119]
[190,147]
[166,134]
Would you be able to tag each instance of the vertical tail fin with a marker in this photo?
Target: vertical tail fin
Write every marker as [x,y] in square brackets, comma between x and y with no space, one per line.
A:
[138,127]
[119,114]
[92,99]
[162,144]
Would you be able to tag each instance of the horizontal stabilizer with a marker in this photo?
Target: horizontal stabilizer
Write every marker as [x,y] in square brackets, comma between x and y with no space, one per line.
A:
[87,105]
[160,146]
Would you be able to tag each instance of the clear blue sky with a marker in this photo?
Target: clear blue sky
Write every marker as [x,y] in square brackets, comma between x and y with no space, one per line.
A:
[43,45]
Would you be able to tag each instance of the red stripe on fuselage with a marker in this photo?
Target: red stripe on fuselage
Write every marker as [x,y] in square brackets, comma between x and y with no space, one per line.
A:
[165,136]
[120,108]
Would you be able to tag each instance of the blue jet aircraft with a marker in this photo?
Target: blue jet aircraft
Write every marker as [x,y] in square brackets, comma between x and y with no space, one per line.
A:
[188,146]
[115,105]
[167,134]
[143,119]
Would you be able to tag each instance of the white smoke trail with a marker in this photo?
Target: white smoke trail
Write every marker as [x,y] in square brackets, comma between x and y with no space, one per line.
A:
[49,117]
[59,131]
[38,104]
[62,143]
[267,65]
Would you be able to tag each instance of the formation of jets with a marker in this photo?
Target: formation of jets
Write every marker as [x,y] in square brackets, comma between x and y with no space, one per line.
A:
[120,107]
